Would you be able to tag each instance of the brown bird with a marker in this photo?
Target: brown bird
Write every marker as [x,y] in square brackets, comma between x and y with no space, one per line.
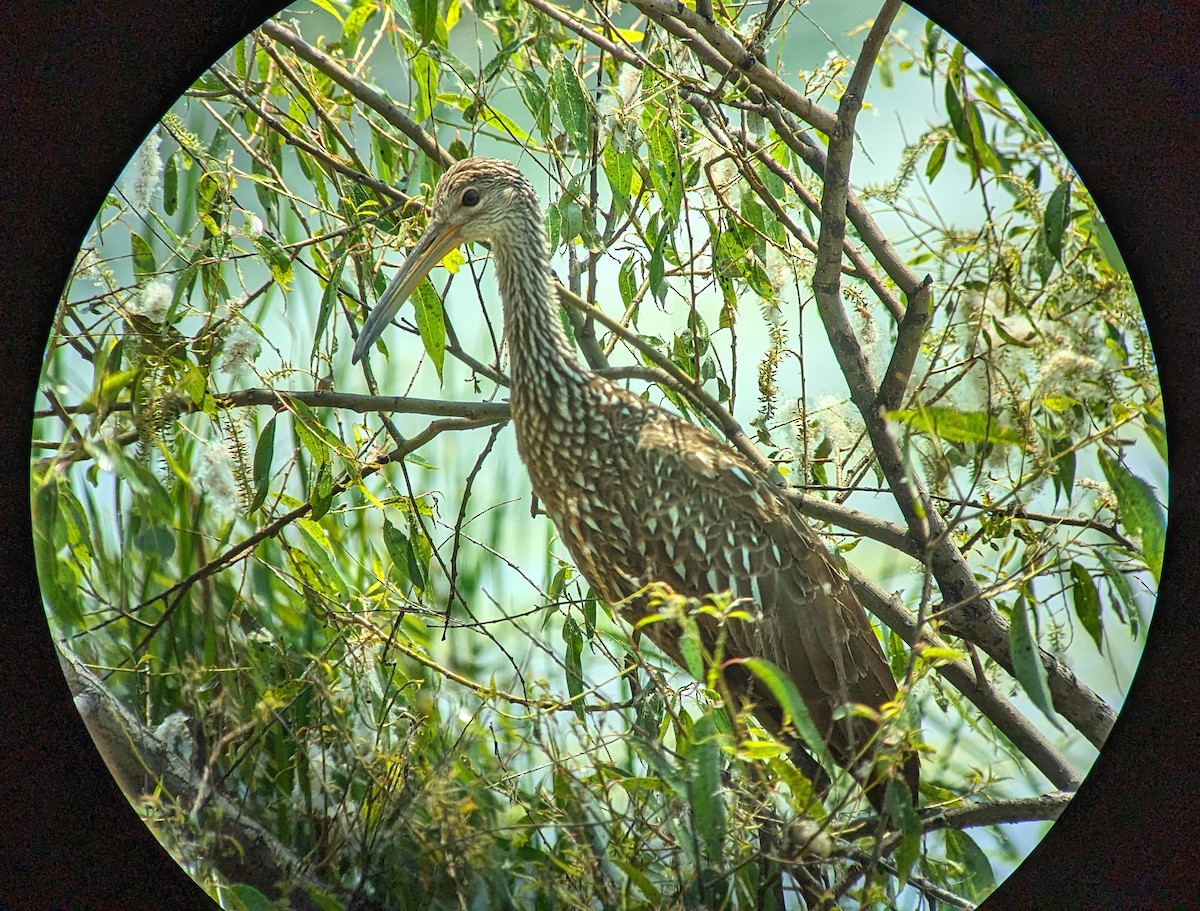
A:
[640,496]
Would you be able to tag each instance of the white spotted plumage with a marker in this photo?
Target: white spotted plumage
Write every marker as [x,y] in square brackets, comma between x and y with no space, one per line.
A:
[662,500]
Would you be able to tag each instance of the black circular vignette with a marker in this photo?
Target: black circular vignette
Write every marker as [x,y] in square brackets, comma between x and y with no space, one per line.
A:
[1113,81]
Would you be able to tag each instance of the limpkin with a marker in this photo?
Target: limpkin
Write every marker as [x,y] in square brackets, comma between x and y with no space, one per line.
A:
[640,496]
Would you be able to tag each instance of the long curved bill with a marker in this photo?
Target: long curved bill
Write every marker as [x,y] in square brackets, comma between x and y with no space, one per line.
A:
[429,251]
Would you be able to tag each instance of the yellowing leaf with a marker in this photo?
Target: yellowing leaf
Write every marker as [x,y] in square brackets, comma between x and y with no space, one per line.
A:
[958,426]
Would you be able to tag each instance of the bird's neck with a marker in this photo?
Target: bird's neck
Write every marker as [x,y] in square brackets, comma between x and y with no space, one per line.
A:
[541,363]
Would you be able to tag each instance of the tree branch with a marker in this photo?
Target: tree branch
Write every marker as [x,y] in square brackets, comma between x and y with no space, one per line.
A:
[971,616]
[373,98]
[909,333]
[732,59]
[997,709]
[143,764]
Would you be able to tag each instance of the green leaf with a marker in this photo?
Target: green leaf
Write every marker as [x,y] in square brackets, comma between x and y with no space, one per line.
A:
[570,100]
[1109,249]
[1087,604]
[640,880]
[328,301]
[424,69]
[143,257]
[321,495]
[427,21]
[170,186]
[1141,513]
[500,61]
[984,153]
[310,432]
[155,540]
[246,898]
[627,283]
[962,849]
[264,454]
[1058,211]
[934,166]
[419,554]
[703,758]
[431,323]
[665,171]
[795,712]
[398,549]
[1156,430]
[690,648]
[618,168]
[276,257]
[1027,660]
[574,664]
[1043,257]
[955,426]
[358,18]
[898,802]
[954,109]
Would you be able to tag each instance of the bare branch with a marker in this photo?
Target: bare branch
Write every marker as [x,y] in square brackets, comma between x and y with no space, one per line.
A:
[997,709]
[372,98]
[724,52]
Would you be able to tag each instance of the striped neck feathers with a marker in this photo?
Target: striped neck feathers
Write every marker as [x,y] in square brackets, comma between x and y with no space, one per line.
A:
[541,359]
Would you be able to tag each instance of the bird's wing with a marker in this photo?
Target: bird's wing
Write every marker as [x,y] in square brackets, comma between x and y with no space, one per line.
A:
[719,526]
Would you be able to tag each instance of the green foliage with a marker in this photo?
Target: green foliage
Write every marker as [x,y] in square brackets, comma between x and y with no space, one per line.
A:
[386,661]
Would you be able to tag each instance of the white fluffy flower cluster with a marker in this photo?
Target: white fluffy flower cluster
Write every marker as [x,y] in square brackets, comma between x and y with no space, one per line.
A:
[143,174]
[215,481]
[242,346]
[153,301]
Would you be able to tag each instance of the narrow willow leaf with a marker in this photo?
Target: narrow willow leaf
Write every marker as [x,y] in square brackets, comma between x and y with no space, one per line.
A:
[1108,247]
[618,168]
[636,877]
[958,426]
[143,257]
[155,540]
[1058,211]
[398,549]
[1027,661]
[1043,257]
[431,324]
[424,69]
[419,556]
[795,712]
[490,116]
[703,758]
[328,300]
[980,880]
[1087,604]
[573,662]
[302,424]
[984,152]
[1141,513]
[353,26]
[427,21]
[500,61]
[689,646]
[933,167]
[570,100]
[1156,431]
[898,803]
[321,495]
[170,186]
[264,454]
[665,171]
[247,898]
[276,257]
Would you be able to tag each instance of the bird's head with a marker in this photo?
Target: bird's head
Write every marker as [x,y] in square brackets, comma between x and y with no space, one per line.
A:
[477,199]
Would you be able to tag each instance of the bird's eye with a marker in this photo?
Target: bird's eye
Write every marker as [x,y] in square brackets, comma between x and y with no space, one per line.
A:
[470,197]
